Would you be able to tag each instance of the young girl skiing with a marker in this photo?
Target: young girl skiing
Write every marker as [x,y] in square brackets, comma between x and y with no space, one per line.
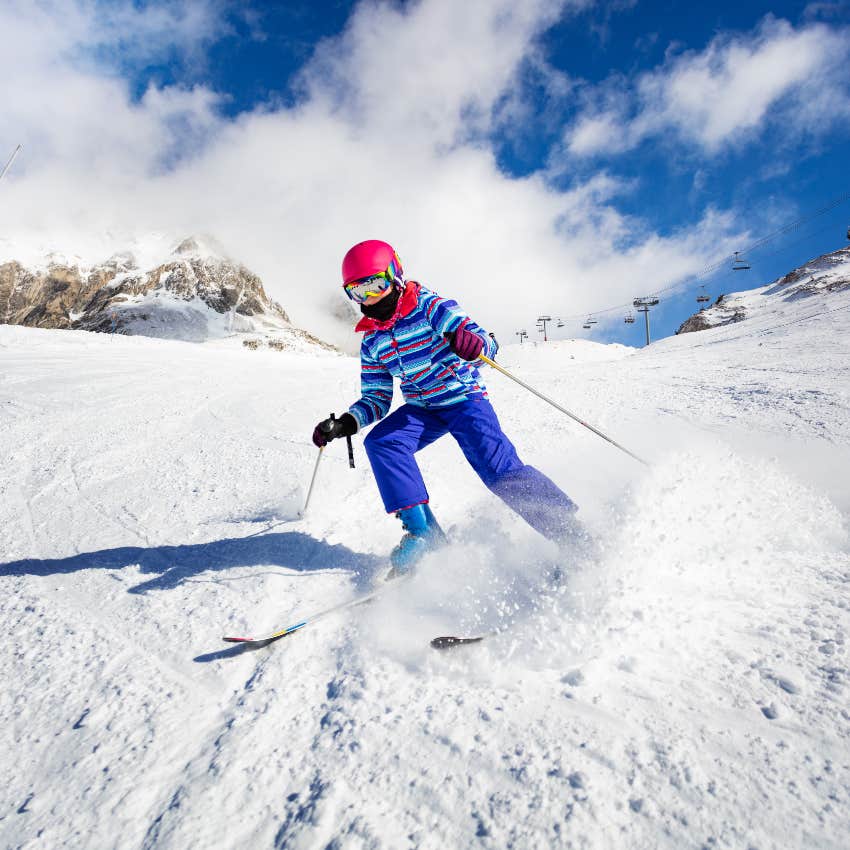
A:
[430,345]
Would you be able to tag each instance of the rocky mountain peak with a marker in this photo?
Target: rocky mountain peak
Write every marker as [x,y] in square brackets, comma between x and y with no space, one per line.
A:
[200,246]
[194,293]
[820,276]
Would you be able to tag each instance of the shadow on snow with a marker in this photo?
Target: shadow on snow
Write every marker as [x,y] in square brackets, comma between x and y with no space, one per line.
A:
[173,565]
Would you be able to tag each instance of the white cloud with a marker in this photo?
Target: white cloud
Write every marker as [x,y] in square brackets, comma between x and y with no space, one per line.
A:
[795,81]
[438,71]
[594,133]
[64,99]
[388,140]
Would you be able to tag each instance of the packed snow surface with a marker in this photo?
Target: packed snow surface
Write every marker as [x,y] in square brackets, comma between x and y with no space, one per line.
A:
[684,687]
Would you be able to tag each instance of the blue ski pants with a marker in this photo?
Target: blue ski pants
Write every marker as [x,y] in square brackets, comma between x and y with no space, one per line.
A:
[393,442]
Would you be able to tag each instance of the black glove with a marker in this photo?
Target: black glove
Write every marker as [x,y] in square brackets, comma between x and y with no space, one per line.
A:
[330,429]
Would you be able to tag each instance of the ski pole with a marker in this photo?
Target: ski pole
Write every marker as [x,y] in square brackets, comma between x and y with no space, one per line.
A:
[557,406]
[312,482]
[350,451]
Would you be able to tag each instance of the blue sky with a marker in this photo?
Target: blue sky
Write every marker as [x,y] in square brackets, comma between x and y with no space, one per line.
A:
[591,152]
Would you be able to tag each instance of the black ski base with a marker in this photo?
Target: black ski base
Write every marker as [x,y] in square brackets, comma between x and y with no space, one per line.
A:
[450,642]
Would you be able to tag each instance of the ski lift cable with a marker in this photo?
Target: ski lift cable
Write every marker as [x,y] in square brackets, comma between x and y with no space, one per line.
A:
[719,264]
[809,235]
[11,159]
[781,231]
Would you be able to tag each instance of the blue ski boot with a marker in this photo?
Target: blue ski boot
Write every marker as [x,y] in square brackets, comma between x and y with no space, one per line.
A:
[423,535]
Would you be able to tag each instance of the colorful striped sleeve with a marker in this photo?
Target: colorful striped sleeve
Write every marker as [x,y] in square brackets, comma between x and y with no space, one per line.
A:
[444,315]
[376,387]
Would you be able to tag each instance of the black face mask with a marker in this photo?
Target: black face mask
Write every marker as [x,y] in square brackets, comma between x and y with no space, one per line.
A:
[384,309]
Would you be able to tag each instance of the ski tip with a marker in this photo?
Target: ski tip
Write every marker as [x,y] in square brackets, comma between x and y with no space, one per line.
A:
[249,643]
[448,641]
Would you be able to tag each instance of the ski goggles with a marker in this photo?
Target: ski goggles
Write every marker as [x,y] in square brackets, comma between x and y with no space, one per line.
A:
[360,290]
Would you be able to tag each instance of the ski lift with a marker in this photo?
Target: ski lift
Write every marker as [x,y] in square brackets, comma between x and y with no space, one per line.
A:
[586,327]
[848,232]
[560,323]
[590,320]
[702,296]
[630,319]
[739,264]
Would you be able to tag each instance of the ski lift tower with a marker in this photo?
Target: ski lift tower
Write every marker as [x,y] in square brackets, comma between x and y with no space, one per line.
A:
[522,335]
[642,305]
[541,326]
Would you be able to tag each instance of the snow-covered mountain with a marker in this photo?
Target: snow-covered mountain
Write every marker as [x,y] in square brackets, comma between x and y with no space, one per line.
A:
[819,277]
[195,292]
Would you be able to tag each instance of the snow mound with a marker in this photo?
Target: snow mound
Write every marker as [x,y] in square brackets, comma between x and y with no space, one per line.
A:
[563,352]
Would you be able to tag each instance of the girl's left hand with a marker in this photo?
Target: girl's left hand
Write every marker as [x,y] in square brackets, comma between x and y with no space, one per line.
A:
[465,344]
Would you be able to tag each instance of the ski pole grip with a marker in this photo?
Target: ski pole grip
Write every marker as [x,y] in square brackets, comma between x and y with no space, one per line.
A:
[325,428]
[332,418]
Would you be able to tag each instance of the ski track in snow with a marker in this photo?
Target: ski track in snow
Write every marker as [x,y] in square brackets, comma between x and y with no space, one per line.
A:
[686,686]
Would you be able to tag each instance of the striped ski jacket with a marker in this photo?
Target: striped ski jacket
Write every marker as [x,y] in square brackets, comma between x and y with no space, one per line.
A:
[412,348]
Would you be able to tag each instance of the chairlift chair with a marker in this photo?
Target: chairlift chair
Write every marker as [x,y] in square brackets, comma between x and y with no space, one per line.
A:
[702,296]
[560,323]
[630,319]
[586,327]
[739,264]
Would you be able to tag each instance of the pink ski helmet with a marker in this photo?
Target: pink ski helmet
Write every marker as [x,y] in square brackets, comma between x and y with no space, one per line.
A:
[370,257]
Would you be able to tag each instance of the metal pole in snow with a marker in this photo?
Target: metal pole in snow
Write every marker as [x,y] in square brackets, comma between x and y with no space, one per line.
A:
[8,165]
[312,482]
[557,406]
[642,305]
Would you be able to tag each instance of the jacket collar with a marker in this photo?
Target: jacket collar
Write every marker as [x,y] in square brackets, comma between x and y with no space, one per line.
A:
[406,305]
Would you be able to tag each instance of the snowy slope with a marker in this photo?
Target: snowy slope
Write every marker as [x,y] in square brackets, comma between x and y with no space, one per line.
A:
[816,280]
[686,689]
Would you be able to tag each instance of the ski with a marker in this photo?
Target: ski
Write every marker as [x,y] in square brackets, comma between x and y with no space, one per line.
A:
[450,641]
[257,642]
